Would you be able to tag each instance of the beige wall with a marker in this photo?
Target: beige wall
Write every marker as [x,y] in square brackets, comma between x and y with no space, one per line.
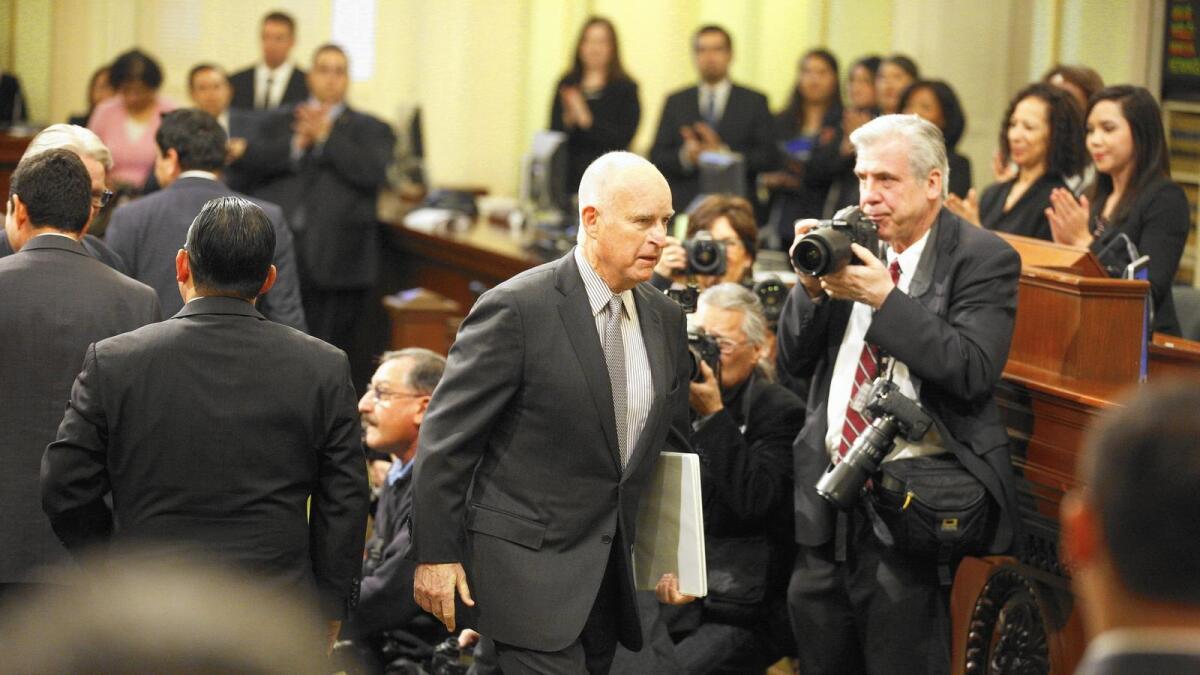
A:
[483,70]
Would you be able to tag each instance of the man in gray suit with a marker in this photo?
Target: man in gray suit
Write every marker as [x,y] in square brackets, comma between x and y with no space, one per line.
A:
[147,232]
[56,300]
[1131,535]
[559,393]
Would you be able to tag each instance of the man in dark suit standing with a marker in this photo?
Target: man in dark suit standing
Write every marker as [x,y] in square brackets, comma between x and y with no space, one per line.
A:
[210,91]
[1130,535]
[219,434]
[56,300]
[712,116]
[560,391]
[325,162]
[938,318]
[274,81]
[147,232]
[392,411]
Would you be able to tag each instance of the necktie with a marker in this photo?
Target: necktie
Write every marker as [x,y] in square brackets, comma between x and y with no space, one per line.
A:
[614,358]
[710,108]
[868,368]
[266,97]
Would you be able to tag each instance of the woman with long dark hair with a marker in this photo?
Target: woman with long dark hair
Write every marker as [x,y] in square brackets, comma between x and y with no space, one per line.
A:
[813,118]
[935,101]
[596,102]
[1042,136]
[1134,200]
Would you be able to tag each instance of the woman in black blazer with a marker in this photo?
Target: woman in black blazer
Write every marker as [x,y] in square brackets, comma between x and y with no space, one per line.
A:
[1133,196]
[596,102]
[1042,134]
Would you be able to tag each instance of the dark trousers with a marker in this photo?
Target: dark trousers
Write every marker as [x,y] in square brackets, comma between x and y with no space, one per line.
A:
[333,315]
[877,611]
[592,652]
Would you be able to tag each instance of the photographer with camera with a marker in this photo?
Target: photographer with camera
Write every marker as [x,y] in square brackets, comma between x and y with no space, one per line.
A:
[745,424]
[722,241]
[903,357]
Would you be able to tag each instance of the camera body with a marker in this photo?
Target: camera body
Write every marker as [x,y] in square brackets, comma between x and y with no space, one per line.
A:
[705,255]
[771,292]
[703,348]
[893,414]
[688,297]
[826,248]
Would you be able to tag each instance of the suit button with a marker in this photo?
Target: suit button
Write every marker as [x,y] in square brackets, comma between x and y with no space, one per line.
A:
[606,539]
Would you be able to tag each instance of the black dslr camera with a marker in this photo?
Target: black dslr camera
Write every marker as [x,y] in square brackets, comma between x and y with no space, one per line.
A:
[705,255]
[771,292]
[826,248]
[448,659]
[703,348]
[893,414]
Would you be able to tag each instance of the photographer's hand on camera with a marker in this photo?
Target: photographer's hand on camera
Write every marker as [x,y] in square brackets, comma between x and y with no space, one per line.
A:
[673,261]
[811,284]
[705,396]
[868,283]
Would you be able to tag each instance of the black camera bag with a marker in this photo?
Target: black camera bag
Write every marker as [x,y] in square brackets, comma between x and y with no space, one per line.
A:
[934,508]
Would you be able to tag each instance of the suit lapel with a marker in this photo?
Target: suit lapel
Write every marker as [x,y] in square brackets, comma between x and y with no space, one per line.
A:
[654,337]
[580,325]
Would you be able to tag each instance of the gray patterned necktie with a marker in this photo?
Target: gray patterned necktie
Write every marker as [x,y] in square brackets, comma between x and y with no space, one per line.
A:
[614,357]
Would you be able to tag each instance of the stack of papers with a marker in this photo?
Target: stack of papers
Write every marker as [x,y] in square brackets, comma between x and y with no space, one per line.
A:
[670,529]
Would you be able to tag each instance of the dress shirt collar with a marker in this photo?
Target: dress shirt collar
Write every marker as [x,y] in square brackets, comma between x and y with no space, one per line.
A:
[223,120]
[908,260]
[197,173]
[598,291]
[64,235]
[281,73]
[398,470]
[721,92]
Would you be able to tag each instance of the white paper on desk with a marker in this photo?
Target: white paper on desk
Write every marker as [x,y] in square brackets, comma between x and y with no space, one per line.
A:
[670,530]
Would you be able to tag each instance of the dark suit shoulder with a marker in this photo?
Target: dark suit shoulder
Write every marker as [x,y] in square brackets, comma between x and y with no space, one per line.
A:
[749,93]
[679,96]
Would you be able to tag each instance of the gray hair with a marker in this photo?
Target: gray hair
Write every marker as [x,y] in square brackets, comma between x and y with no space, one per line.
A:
[79,140]
[926,145]
[594,187]
[737,298]
[426,371]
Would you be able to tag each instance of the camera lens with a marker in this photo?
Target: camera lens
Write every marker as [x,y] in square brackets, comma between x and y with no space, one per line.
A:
[822,251]
[706,256]
[812,256]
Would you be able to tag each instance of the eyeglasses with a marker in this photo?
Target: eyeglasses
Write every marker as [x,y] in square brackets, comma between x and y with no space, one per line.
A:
[726,345]
[382,395]
[727,243]
[102,199]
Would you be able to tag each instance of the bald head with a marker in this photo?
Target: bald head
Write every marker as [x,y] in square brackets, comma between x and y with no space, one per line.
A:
[624,208]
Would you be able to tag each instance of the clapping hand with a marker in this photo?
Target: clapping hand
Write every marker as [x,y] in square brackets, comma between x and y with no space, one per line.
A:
[967,209]
[311,124]
[1069,218]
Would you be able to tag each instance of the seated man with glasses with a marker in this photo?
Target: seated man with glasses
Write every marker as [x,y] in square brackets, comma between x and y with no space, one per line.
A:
[392,411]
[97,160]
[744,429]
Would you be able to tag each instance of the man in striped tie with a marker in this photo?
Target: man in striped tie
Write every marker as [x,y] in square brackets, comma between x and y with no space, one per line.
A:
[939,309]
[563,385]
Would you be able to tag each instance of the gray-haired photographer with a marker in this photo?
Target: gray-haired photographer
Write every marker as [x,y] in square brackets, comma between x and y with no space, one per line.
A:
[744,428]
[902,319]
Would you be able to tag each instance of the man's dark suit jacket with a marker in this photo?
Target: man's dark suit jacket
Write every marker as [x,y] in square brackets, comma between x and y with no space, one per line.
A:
[329,195]
[243,124]
[148,232]
[952,330]
[386,599]
[746,127]
[525,407]
[56,300]
[94,246]
[244,94]
[212,429]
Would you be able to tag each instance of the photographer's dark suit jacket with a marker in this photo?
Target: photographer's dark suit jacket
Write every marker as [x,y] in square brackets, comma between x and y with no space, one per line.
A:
[386,600]
[148,232]
[328,194]
[55,300]
[525,409]
[212,430]
[244,94]
[953,331]
[746,127]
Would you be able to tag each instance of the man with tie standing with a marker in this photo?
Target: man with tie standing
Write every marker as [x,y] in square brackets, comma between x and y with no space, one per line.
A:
[943,315]
[712,116]
[275,80]
[562,387]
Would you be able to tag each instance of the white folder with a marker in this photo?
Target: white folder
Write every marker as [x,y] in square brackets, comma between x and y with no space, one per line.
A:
[670,530]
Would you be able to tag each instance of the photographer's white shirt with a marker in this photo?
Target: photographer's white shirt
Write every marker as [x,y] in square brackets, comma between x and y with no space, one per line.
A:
[846,365]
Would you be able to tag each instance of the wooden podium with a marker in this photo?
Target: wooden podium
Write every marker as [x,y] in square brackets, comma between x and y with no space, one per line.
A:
[1076,347]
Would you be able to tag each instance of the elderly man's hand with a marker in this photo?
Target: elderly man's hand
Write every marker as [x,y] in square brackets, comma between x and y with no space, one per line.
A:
[434,586]
[667,591]
[868,283]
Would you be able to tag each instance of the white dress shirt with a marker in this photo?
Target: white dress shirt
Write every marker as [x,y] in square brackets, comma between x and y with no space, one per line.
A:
[279,80]
[846,365]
